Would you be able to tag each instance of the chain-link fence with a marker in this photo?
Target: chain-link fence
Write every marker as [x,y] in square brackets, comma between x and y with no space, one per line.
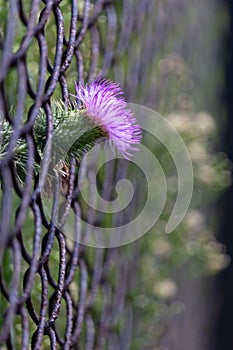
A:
[56,293]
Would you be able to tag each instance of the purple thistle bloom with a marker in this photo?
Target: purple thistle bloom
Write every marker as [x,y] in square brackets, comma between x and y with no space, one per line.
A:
[106,106]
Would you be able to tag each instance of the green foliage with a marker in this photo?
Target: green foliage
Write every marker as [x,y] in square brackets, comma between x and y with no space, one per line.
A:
[193,244]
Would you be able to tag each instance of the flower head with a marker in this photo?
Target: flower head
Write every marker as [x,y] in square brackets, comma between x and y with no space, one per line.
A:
[106,106]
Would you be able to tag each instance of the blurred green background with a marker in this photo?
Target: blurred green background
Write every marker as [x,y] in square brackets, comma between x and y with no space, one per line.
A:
[174,63]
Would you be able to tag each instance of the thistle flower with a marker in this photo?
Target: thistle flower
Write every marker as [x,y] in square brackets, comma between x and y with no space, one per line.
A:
[104,104]
[75,130]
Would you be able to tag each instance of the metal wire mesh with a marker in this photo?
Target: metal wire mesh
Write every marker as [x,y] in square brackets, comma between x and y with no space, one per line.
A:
[77,306]
[56,293]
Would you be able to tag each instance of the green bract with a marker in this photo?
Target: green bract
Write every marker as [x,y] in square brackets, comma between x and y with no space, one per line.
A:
[73,135]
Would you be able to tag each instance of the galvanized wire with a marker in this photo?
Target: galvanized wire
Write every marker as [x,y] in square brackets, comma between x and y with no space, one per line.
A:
[116,39]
